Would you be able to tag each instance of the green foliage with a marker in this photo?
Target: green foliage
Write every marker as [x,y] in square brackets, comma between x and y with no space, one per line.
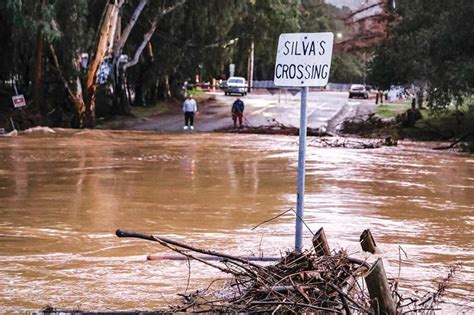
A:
[391,110]
[315,17]
[347,68]
[199,37]
[272,19]
[443,125]
[432,43]
[76,35]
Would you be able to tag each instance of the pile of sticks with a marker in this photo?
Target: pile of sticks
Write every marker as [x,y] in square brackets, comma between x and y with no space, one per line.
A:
[300,282]
[312,281]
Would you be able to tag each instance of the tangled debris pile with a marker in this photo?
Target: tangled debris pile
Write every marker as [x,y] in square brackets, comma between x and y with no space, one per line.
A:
[315,280]
[352,143]
[322,138]
[367,126]
[275,129]
[300,282]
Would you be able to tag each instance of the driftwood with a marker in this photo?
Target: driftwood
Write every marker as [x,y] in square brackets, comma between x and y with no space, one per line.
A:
[215,258]
[123,233]
[367,242]
[320,243]
[379,290]
[275,130]
[453,144]
[299,282]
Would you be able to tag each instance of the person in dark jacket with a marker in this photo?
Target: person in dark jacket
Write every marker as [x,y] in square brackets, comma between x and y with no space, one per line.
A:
[237,111]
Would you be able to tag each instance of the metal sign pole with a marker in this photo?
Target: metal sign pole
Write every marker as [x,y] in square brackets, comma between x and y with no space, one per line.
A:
[303,60]
[301,171]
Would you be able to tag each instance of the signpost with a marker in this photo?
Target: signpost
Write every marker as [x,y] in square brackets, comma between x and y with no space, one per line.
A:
[18,101]
[303,60]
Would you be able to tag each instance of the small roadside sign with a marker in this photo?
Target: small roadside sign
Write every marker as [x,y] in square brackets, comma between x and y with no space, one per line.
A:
[303,59]
[18,101]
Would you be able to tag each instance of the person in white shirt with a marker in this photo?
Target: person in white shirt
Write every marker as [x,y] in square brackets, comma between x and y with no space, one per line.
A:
[189,108]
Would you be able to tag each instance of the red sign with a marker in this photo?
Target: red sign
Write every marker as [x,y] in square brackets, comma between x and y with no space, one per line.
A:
[19,101]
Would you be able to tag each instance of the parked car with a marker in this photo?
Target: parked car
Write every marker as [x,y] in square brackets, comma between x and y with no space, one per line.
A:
[358,90]
[236,85]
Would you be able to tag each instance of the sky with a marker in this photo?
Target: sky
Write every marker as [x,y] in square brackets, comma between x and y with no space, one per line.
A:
[353,4]
[356,4]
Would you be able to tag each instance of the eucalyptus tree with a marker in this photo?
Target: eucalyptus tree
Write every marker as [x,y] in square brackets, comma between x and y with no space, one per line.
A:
[431,45]
[24,25]
[106,48]
[195,39]
[155,12]
[268,19]
[315,16]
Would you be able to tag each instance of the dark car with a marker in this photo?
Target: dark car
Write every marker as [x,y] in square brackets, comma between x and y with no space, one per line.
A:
[358,90]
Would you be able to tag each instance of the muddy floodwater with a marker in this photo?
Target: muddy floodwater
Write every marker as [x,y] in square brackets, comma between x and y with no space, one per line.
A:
[63,195]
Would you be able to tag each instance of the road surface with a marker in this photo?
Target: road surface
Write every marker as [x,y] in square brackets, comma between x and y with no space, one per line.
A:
[325,110]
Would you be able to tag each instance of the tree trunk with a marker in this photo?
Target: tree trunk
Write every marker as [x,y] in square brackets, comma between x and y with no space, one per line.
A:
[76,96]
[106,28]
[121,71]
[419,99]
[250,66]
[39,76]
[167,87]
[121,101]
[121,104]
[379,290]
[139,87]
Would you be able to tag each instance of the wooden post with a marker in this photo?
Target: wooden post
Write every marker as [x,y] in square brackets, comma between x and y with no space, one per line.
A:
[320,243]
[379,290]
[367,242]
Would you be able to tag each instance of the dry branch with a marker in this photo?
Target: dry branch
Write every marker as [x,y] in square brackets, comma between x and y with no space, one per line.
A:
[297,283]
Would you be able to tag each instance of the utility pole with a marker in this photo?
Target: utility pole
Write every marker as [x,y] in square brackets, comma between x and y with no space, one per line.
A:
[250,63]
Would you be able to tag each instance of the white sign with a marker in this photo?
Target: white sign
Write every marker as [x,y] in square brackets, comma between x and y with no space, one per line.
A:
[303,59]
[18,101]
[231,70]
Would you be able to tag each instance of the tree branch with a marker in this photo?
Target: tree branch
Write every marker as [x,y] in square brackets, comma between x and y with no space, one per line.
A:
[464,137]
[128,29]
[58,68]
[149,34]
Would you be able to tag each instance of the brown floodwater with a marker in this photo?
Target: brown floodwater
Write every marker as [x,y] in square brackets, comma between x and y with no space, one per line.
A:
[63,195]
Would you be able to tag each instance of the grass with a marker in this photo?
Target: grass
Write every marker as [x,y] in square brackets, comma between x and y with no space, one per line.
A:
[197,93]
[148,111]
[391,110]
[444,125]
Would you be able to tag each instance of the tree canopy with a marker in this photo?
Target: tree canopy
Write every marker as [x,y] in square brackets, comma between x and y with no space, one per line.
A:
[431,44]
[72,59]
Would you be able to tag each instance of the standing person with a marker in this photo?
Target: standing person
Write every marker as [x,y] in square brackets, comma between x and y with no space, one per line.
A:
[237,111]
[189,108]
[379,97]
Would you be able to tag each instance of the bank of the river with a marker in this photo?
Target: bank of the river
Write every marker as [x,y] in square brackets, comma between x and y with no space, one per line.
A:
[391,120]
[399,121]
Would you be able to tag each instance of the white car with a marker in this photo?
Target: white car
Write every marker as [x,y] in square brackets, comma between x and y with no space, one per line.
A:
[236,85]
[358,90]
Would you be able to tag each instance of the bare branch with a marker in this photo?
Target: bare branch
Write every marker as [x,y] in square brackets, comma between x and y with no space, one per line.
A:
[149,34]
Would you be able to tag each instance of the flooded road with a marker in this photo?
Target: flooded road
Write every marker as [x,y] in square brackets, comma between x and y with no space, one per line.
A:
[63,195]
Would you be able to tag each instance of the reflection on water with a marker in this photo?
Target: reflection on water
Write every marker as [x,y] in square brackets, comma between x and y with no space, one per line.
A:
[62,196]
